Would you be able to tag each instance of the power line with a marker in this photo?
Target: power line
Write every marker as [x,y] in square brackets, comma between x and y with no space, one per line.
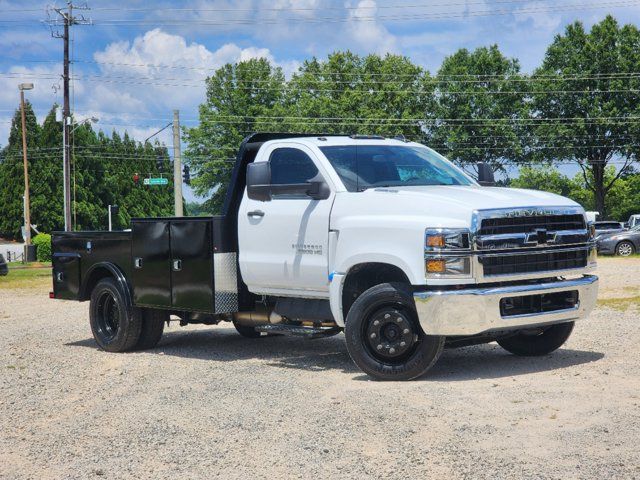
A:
[316,19]
[307,9]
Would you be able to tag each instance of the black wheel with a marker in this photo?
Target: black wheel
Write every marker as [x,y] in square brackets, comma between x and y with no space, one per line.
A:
[384,337]
[152,327]
[114,327]
[247,332]
[625,248]
[538,343]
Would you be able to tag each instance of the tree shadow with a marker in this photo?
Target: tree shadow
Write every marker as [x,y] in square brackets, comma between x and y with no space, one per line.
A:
[487,361]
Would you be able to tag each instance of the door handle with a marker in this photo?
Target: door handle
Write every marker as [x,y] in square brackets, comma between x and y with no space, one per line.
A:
[137,262]
[177,265]
[256,213]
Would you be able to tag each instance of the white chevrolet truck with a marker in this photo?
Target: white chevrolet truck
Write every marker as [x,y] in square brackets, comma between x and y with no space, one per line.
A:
[382,239]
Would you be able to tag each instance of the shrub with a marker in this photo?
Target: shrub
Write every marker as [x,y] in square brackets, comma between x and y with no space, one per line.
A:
[42,241]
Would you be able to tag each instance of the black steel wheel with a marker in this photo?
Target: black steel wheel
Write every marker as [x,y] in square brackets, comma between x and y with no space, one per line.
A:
[391,334]
[115,327]
[384,337]
[538,342]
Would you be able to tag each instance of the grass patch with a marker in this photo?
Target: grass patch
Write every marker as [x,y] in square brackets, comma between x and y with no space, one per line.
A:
[623,303]
[20,265]
[26,278]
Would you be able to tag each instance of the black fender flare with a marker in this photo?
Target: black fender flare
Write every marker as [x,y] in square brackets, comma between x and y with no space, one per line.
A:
[115,273]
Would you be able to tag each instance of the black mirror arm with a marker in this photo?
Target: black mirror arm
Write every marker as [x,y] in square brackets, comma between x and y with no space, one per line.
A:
[485,175]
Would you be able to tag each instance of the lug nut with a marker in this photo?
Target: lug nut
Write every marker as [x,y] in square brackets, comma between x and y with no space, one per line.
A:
[376,323]
[373,335]
[379,347]
[386,315]
[402,344]
[392,351]
[405,331]
[399,320]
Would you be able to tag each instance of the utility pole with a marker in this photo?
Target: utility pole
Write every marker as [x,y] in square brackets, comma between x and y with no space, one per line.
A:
[27,207]
[68,20]
[177,166]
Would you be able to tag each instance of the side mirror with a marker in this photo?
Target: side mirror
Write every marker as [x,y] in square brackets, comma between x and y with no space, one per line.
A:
[485,175]
[259,181]
[318,188]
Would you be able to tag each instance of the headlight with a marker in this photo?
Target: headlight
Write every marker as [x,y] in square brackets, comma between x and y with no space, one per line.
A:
[439,239]
[448,266]
[447,253]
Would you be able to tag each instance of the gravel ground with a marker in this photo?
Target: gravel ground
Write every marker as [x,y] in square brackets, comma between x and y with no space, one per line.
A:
[209,403]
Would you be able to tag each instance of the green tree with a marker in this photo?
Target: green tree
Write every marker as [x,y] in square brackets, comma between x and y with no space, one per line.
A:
[238,97]
[12,172]
[348,94]
[545,178]
[102,174]
[585,102]
[345,94]
[478,98]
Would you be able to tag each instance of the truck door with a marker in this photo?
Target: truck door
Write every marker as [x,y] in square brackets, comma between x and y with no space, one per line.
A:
[283,243]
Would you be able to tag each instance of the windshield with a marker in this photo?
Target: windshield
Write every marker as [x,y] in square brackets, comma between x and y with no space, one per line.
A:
[367,166]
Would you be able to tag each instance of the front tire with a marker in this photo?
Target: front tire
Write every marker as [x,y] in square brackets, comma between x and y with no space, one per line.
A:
[115,327]
[384,337]
[625,249]
[535,345]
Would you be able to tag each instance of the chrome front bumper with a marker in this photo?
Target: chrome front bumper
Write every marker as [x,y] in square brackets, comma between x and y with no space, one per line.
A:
[477,310]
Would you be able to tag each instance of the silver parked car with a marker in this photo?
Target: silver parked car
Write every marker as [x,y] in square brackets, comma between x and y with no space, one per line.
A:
[605,227]
[623,243]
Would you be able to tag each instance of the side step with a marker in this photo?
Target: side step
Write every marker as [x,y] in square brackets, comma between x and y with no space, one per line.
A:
[298,331]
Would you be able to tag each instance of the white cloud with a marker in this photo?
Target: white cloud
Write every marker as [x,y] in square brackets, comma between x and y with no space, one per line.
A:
[534,14]
[41,97]
[368,33]
[146,88]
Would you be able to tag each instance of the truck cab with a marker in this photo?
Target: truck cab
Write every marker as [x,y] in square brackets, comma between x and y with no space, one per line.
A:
[381,238]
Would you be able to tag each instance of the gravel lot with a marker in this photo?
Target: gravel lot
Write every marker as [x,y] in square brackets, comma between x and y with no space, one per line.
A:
[209,403]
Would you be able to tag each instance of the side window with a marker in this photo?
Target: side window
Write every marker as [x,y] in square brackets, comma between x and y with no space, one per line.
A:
[290,165]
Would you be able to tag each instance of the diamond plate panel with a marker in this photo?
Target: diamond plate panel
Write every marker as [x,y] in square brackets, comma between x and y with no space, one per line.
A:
[225,277]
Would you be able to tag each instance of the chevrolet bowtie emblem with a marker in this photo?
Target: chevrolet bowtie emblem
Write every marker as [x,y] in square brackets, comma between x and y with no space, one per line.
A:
[541,237]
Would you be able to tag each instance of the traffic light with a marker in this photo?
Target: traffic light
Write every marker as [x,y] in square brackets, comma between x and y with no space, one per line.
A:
[186,175]
[160,163]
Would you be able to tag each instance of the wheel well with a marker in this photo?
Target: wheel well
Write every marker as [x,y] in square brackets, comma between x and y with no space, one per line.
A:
[366,275]
[94,277]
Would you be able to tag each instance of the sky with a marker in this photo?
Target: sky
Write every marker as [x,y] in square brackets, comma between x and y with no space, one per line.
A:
[139,60]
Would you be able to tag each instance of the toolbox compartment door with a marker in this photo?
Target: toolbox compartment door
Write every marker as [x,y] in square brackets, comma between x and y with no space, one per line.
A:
[151,255]
[66,276]
[192,265]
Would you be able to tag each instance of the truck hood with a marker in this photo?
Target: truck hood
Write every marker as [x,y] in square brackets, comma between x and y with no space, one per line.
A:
[450,206]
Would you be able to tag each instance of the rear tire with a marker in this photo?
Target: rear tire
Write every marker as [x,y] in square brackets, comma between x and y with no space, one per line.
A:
[152,327]
[115,327]
[549,340]
[384,337]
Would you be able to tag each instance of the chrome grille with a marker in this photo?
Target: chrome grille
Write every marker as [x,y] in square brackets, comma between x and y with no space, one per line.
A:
[534,262]
[529,224]
[527,242]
